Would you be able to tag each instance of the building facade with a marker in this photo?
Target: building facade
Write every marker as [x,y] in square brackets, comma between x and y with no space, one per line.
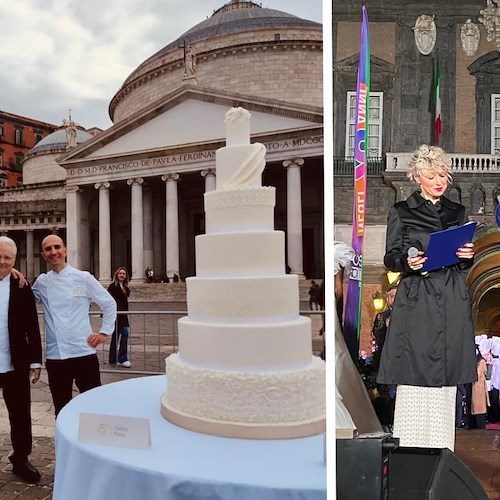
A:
[408,40]
[37,207]
[18,134]
[133,194]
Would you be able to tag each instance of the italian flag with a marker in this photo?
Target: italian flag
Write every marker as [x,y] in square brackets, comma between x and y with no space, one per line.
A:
[436,101]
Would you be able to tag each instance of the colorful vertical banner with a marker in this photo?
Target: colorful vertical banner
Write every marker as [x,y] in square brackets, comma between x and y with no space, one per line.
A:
[352,318]
[436,102]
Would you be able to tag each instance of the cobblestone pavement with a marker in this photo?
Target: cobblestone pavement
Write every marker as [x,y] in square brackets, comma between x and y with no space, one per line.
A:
[147,353]
[43,454]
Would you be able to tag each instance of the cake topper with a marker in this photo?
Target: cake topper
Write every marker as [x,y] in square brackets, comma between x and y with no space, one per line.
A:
[235,114]
[237,122]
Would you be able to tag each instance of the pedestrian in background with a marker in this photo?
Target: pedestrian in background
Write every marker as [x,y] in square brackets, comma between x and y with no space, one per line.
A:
[120,291]
[314,293]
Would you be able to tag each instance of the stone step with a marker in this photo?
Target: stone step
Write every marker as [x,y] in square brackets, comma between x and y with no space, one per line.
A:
[176,292]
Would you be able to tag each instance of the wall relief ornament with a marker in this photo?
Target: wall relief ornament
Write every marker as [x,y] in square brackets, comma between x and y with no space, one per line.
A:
[469,35]
[425,34]
[490,18]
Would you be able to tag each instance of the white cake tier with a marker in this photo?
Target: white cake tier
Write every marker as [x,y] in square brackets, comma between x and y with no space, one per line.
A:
[240,166]
[237,122]
[246,404]
[249,346]
[250,299]
[258,253]
[240,209]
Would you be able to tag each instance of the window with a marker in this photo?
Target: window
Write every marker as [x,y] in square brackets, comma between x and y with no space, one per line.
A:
[1,129]
[495,124]
[19,137]
[374,124]
[19,162]
[38,137]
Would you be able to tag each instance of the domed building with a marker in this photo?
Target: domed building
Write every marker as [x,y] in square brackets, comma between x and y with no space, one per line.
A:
[242,47]
[40,163]
[134,193]
[31,211]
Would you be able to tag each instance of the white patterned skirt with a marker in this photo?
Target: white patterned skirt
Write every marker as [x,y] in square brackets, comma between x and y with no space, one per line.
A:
[425,416]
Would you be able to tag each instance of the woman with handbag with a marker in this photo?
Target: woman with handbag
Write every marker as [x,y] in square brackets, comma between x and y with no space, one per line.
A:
[120,291]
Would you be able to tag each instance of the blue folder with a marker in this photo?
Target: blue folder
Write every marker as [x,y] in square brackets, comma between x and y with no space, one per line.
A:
[443,245]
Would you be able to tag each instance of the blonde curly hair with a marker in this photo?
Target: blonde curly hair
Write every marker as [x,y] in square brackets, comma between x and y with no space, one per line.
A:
[427,158]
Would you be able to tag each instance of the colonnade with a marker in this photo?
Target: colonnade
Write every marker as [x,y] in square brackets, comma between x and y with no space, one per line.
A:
[142,241]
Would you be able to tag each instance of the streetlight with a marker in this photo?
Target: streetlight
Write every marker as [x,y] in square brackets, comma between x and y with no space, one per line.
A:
[378,301]
[393,277]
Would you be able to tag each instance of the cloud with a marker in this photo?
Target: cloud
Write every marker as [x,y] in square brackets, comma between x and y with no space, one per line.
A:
[63,54]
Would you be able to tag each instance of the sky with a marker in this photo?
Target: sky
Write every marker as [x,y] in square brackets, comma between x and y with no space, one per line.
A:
[58,55]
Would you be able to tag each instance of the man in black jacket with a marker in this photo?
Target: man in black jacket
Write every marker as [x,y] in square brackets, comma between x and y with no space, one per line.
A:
[20,359]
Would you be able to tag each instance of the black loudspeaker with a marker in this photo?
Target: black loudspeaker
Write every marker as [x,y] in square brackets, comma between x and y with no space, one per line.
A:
[363,467]
[431,474]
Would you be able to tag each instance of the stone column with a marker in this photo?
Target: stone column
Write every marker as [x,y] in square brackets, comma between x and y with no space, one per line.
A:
[210,183]
[30,267]
[104,231]
[136,233]
[148,229]
[73,225]
[294,215]
[172,224]
[158,236]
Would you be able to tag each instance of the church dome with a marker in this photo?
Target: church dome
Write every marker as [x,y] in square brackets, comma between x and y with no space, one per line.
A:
[57,142]
[235,48]
[234,17]
[40,162]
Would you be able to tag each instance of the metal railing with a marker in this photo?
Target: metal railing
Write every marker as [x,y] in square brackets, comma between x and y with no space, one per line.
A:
[343,165]
[154,336]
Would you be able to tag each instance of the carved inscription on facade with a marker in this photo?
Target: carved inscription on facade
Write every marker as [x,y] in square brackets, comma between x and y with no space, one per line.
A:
[184,158]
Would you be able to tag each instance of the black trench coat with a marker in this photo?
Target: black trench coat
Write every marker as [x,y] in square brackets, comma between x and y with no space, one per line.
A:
[430,341]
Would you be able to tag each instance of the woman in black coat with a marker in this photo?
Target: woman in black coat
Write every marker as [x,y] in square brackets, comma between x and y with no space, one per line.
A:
[429,348]
[120,291]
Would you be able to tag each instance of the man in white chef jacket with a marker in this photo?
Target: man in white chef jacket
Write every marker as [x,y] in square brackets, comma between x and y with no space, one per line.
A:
[66,294]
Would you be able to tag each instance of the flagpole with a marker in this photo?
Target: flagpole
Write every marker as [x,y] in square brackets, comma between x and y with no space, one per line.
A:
[352,321]
[436,101]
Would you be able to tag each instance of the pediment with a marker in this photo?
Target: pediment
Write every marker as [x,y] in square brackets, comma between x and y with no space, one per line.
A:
[488,63]
[351,64]
[188,117]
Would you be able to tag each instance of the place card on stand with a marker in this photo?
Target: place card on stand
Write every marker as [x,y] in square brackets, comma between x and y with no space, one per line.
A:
[114,430]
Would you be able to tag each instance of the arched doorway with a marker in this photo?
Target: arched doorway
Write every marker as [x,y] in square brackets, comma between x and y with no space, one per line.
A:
[484,281]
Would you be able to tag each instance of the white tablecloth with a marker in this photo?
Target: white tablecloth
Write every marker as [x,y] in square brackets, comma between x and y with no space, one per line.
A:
[180,464]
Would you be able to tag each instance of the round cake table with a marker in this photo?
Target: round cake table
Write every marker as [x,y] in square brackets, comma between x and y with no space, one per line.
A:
[180,464]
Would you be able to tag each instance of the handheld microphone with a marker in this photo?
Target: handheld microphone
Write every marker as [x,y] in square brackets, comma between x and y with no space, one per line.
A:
[412,252]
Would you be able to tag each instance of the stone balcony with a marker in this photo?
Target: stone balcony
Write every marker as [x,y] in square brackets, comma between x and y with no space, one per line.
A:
[461,163]
[476,181]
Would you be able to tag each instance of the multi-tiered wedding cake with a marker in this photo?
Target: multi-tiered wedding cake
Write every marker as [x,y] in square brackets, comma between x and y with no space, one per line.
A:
[245,366]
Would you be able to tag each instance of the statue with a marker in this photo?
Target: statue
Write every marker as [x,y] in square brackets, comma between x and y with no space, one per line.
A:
[469,36]
[490,18]
[425,34]
[70,133]
[189,62]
